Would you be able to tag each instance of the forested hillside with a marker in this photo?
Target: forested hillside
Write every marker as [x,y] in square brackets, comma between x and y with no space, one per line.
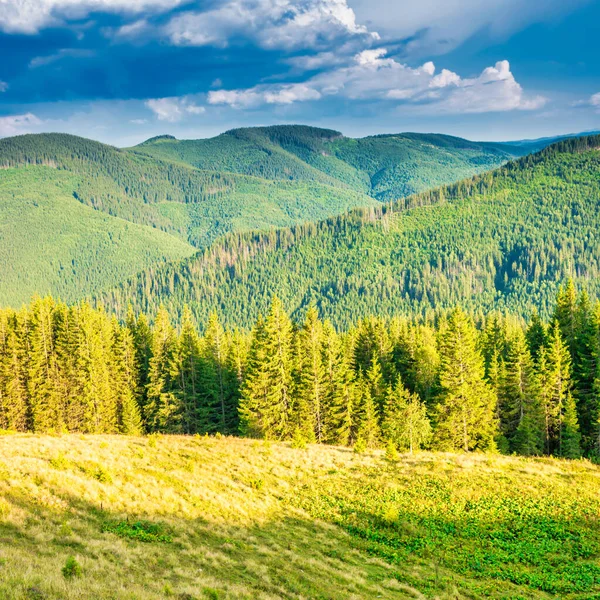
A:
[386,167]
[79,217]
[50,242]
[503,240]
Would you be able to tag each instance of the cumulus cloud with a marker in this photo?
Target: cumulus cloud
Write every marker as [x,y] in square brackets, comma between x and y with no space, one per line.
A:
[3,86]
[374,76]
[595,100]
[29,16]
[17,124]
[284,24]
[173,109]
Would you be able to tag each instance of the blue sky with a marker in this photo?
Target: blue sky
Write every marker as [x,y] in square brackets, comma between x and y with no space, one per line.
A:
[124,70]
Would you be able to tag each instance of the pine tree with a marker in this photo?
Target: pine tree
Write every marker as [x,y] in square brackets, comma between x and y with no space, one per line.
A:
[188,381]
[405,422]
[312,376]
[465,413]
[565,314]
[570,436]
[125,381]
[521,412]
[163,411]
[267,399]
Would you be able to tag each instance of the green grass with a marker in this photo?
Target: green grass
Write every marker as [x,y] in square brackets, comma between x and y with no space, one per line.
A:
[185,518]
[51,243]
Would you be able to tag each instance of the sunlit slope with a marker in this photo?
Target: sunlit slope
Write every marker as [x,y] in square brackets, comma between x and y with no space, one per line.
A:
[186,518]
[502,240]
[51,243]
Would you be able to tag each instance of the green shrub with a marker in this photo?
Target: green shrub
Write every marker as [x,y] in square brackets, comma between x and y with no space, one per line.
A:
[72,568]
[142,531]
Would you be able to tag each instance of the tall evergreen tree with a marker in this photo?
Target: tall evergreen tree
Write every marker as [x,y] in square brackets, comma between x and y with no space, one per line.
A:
[521,412]
[164,410]
[405,422]
[267,394]
[465,413]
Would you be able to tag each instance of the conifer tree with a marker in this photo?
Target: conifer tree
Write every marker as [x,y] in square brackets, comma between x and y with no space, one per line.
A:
[536,336]
[188,381]
[312,376]
[217,399]
[47,412]
[163,411]
[340,389]
[267,394]
[521,412]
[555,381]
[124,373]
[405,422]
[13,383]
[365,417]
[570,436]
[465,413]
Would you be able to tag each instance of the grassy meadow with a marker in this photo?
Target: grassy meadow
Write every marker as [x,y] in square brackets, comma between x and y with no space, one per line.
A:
[198,517]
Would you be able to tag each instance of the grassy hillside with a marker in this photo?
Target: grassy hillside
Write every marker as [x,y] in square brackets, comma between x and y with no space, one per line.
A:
[50,242]
[386,167]
[503,240]
[196,517]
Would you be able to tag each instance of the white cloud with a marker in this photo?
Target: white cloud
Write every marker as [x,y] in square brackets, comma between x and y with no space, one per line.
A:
[29,16]
[595,100]
[18,124]
[139,121]
[288,24]
[374,76]
[3,86]
[264,94]
[173,109]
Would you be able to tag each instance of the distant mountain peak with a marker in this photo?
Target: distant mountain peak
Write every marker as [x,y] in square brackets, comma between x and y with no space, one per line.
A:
[159,138]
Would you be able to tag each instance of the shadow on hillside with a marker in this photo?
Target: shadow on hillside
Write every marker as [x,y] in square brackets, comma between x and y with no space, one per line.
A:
[292,557]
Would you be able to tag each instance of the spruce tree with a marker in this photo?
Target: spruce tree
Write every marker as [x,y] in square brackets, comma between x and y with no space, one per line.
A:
[521,411]
[267,393]
[125,380]
[405,423]
[465,413]
[188,381]
[570,436]
[163,411]
[312,376]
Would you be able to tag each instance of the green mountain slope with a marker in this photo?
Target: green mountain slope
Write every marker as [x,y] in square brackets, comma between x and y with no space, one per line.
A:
[50,242]
[196,206]
[386,167]
[65,203]
[505,239]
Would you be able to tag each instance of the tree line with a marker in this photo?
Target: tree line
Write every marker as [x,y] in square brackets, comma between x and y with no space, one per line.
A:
[449,383]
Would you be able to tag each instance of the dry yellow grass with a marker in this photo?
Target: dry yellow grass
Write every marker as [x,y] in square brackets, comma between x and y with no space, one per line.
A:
[223,501]
[229,506]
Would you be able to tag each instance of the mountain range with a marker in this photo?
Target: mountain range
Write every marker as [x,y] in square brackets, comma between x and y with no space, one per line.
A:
[227,221]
